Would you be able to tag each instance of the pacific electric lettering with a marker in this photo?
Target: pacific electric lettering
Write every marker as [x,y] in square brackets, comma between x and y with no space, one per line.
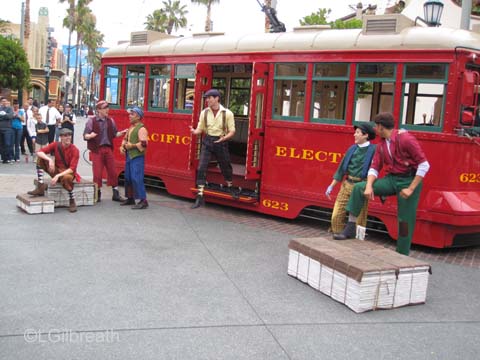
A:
[169,139]
[308,154]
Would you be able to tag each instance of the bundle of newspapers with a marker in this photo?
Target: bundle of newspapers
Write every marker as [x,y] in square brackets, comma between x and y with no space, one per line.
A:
[359,274]
[85,194]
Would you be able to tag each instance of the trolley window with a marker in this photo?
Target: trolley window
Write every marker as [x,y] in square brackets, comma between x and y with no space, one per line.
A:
[159,88]
[239,96]
[184,88]
[135,85]
[374,90]
[113,77]
[330,84]
[424,89]
[289,98]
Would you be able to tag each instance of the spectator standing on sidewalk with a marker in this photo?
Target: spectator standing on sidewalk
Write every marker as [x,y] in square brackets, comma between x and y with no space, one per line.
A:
[41,132]
[133,147]
[27,107]
[6,116]
[99,133]
[62,167]
[50,116]
[17,131]
[69,119]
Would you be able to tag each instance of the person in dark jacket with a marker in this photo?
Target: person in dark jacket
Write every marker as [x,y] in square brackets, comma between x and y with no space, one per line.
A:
[6,131]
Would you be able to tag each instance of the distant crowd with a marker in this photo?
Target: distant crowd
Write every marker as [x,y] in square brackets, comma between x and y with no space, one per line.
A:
[23,130]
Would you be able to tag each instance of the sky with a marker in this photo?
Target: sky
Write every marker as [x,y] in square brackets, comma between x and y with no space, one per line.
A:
[116,19]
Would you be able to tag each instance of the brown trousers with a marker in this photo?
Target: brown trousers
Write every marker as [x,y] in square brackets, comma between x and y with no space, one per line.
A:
[339,213]
[65,180]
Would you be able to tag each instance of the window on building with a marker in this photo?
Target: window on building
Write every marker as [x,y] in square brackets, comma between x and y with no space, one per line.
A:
[289,95]
[135,85]
[424,89]
[374,88]
[330,84]
[184,87]
[159,87]
[113,77]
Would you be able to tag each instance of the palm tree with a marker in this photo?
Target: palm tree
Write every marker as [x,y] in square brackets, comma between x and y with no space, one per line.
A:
[208,4]
[175,15]
[4,26]
[93,39]
[76,16]
[156,21]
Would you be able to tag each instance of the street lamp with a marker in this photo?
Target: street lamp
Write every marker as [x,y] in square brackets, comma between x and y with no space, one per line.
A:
[48,62]
[432,12]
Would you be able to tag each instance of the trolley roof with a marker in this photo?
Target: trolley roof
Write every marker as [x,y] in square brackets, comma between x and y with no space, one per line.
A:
[410,38]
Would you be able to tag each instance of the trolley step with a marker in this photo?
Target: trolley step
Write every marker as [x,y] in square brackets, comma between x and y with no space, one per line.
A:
[222,192]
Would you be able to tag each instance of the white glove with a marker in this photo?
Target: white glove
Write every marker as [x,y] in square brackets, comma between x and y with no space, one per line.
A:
[328,191]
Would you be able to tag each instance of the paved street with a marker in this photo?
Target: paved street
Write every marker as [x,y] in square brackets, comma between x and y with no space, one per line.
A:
[174,283]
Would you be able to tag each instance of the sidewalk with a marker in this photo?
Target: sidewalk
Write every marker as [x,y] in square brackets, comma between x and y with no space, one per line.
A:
[171,283]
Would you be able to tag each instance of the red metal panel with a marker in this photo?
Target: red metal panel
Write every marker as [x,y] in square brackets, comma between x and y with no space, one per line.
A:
[256,126]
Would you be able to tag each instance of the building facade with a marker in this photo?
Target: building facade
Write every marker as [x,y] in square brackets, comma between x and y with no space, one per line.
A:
[35,44]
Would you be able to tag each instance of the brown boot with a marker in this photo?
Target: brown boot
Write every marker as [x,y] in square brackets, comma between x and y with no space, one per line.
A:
[39,190]
[73,206]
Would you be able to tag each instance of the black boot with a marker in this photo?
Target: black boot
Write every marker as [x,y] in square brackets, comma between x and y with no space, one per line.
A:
[116,196]
[349,232]
[199,201]
[99,195]
[234,192]
[142,204]
[128,201]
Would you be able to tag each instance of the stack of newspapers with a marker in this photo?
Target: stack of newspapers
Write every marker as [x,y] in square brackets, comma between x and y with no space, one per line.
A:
[85,194]
[359,274]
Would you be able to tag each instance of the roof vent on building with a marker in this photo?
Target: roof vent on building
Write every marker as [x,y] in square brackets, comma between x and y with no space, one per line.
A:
[385,24]
[146,37]
[208,33]
[311,28]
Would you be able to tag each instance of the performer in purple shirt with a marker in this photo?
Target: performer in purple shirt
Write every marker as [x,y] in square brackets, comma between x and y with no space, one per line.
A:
[405,166]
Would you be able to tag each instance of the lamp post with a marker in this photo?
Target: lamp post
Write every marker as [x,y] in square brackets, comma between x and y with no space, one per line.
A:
[47,67]
[432,12]
[47,70]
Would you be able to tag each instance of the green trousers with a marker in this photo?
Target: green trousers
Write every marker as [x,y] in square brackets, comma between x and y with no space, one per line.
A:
[407,208]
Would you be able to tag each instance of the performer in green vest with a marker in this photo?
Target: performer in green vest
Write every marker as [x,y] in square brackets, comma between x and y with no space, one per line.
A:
[133,146]
[353,168]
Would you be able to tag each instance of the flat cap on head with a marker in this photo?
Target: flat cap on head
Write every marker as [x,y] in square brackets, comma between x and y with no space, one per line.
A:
[102,104]
[212,92]
[136,110]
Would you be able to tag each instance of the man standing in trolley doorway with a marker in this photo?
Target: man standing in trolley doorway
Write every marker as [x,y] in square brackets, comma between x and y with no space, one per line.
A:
[99,133]
[353,169]
[405,167]
[219,126]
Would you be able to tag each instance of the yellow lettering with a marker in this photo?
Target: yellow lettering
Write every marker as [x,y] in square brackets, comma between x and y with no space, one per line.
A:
[321,156]
[186,140]
[154,137]
[281,151]
[170,138]
[293,154]
[307,154]
[335,157]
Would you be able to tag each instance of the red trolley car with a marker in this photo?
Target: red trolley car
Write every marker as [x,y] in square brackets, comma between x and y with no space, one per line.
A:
[295,97]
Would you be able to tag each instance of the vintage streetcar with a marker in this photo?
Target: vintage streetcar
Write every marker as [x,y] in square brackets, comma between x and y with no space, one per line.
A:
[296,97]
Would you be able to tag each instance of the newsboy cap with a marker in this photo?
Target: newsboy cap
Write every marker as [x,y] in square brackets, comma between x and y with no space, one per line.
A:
[65,131]
[212,92]
[367,129]
[136,110]
[102,104]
